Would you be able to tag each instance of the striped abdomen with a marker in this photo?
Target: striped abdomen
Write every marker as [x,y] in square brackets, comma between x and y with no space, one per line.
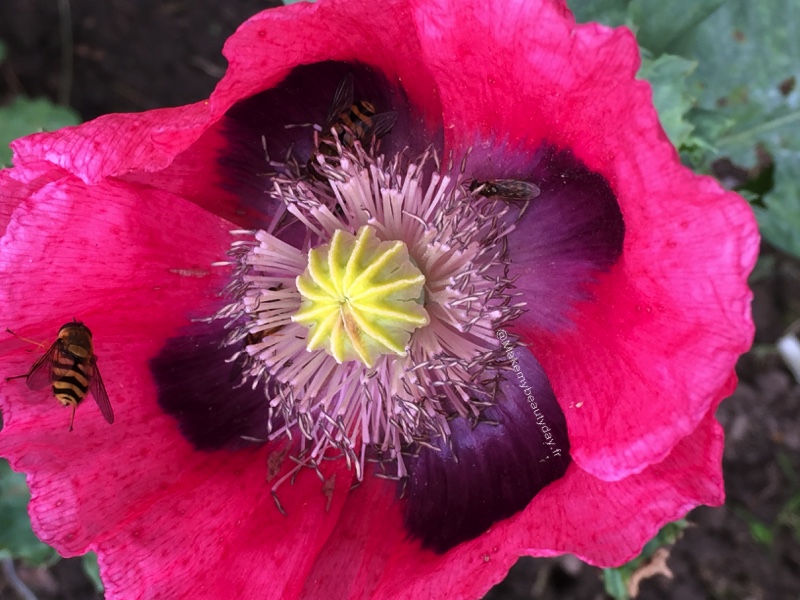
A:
[71,378]
[356,121]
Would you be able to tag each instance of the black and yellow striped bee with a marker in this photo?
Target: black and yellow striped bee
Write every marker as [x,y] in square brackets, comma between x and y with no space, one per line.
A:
[514,190]
[70,366]
[352,121]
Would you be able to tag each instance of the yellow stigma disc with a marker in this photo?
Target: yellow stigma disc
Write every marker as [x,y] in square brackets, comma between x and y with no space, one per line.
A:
[360,297]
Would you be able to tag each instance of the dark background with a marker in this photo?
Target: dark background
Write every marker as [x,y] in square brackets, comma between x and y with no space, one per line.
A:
[133,55]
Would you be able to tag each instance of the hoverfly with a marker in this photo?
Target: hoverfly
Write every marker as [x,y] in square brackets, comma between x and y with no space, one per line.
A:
[514,190]
[351,121]
[70,366]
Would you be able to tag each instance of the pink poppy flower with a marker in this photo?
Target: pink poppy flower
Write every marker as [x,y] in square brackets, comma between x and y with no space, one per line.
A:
[480,311]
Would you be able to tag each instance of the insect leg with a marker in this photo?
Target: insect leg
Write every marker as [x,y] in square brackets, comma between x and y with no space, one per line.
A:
[24,339]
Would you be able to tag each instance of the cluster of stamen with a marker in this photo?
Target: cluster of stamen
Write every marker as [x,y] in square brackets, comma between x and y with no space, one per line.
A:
[395,392]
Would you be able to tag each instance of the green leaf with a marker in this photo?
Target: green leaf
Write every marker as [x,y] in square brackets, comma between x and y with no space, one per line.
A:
[748,57]
[2,51]
[608,12]
[89,563]
[668,535]
[761,533]
[659,23]
[779,220]
[741,96]
[24,116]
[667,75]
[692,130]
[17,540]
[789,516]
[708,126]
[615,584]
[748,52]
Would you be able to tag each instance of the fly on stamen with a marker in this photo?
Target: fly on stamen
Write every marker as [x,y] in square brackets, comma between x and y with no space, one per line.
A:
[350,122]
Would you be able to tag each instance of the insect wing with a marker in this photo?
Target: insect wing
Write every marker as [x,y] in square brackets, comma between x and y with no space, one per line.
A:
[42,373]
[342,100]
[382,124]
[512,189]
[507,189]
[98,391]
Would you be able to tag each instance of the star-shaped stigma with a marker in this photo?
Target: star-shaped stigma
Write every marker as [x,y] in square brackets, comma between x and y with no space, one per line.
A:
[361,297]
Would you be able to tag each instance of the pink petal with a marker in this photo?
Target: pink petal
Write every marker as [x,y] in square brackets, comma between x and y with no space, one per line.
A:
[137,491]
[370,556]
[257,137]
[168,521]
[649,356]
[272,42]
[214,532]
[116,144]
[648,360]
[106,254]
[566,238]
[486,473]
[15,191]
[112,251]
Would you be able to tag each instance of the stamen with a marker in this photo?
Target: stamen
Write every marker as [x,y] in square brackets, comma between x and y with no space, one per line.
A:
[375,326]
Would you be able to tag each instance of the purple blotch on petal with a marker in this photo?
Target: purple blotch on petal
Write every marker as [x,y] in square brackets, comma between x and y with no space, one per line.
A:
[199,388]
[570,233]
[276,116]
[490,472]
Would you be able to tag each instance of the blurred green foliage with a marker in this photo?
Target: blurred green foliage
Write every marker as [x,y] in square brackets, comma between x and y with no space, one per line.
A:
[788,517]
[89,562]
[25,115]
[724,76]
[16,538]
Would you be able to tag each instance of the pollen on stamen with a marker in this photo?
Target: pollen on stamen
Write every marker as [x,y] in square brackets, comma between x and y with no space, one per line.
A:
[376,324]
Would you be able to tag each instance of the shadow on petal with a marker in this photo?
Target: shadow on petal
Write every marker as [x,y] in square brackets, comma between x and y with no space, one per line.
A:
[492,470]
[198,387]
[570,233]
